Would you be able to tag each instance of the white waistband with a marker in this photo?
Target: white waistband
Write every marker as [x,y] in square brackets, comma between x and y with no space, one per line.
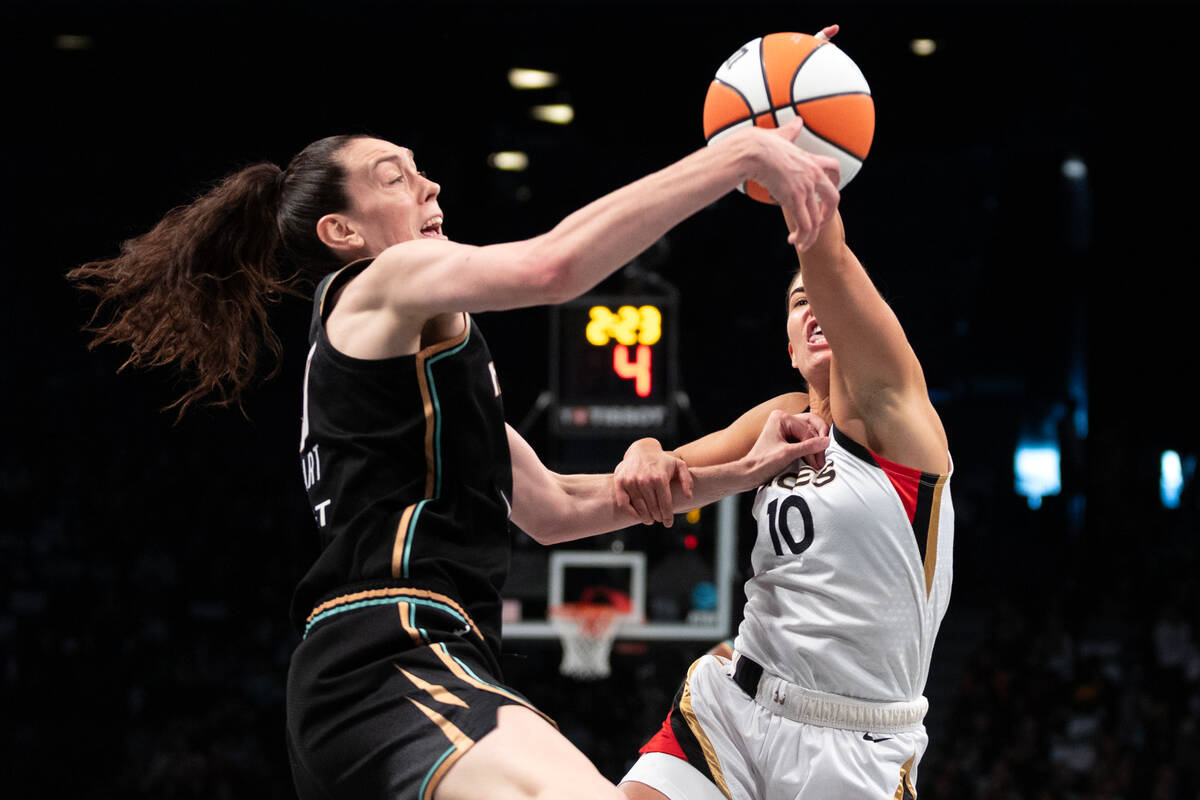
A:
[787,699]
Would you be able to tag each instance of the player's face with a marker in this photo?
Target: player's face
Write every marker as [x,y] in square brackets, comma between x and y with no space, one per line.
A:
[391,201]
[807,346]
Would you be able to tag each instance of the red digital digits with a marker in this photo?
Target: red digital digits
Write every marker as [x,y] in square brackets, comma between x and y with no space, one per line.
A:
[637,370]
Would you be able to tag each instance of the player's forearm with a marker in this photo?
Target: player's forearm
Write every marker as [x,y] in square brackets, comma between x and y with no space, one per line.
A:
[874,356]
[614,229]
[585,506]
[830,245]
[718,481]
[736,440]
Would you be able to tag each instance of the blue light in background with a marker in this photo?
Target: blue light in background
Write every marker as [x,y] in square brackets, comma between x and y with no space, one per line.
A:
[1170,481]
[1074,169]
[704,596]
[1077,387]
[1038,471]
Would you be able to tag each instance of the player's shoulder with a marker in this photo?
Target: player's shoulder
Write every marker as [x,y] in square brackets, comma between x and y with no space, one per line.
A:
[789,403]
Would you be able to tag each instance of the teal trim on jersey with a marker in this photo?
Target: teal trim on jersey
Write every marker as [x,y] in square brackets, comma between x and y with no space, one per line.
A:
[437,446]
[383,601]
[323,289]
[470,672]
[412,622]
[437,409]
[436,764]
[409,535]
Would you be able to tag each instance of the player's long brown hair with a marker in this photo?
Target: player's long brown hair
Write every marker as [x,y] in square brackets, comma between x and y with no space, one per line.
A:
[194,291]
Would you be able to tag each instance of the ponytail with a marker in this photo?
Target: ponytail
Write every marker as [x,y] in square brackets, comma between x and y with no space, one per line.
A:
[194,290]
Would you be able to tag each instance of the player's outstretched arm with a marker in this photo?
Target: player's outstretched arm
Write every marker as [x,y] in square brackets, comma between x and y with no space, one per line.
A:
[644,476]
[424,277]
[553,508]
[877,387]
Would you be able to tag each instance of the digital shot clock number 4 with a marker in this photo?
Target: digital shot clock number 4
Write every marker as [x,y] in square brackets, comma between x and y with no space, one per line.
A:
[612,365]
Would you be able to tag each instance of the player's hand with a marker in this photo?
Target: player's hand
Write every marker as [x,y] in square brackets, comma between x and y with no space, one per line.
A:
[826,34]
[642,482]
[809,426]
[785,439]
[803,183]
[819,212]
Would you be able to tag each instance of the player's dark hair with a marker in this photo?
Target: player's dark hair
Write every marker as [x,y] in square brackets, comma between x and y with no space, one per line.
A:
[194,290]
[787,309]
[787,297]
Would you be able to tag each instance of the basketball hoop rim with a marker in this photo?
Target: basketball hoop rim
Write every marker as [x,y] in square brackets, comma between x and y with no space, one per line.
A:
[593,620]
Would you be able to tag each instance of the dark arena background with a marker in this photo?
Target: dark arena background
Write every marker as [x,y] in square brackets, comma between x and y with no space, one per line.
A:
[1028,208]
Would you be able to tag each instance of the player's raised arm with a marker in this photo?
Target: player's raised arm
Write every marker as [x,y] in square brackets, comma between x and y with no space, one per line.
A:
[427,275]
[877,388]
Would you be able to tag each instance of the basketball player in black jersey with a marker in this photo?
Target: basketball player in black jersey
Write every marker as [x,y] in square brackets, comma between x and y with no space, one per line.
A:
[395,690]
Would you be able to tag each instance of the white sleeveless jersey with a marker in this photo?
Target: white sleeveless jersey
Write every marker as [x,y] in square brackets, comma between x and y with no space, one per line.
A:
[852,573]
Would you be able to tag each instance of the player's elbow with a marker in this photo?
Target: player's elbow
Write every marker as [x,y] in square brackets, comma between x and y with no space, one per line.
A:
[553,279]
[546,531]
[542,536]
[539,520]
[556,522]
[549,271]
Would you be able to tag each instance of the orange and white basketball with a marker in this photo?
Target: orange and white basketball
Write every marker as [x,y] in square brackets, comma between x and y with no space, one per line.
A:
[774,78]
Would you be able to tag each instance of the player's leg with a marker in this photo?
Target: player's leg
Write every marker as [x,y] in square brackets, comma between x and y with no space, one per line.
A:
[672,778]
[640,791]
[635,790]
[693,755]
[523,758]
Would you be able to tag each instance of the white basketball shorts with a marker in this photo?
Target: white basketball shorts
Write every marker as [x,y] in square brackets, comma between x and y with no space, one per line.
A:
[784,743]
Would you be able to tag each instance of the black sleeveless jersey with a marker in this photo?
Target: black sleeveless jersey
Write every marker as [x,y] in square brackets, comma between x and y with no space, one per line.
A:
[407,467]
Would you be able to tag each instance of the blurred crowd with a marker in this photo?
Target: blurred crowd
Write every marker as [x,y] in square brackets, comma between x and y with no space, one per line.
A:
[1086,686]
[137,663]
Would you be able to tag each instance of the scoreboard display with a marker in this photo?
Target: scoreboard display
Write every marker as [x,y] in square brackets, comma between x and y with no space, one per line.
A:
[613,365]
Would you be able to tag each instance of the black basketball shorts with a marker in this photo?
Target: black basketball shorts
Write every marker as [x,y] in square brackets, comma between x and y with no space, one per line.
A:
[385,693]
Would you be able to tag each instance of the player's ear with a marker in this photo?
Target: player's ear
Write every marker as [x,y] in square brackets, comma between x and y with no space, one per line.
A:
[338,233]
[792,355]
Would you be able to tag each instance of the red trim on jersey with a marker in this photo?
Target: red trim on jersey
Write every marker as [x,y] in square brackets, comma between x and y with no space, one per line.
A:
[905,480]
[664,741]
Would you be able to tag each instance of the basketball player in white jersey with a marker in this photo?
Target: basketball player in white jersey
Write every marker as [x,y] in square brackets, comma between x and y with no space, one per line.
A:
[822,699]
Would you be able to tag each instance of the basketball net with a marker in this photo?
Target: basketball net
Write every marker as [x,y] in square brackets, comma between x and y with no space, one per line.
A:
[587,629]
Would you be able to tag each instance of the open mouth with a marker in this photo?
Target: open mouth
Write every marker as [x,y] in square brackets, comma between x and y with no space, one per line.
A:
[432,229]
[815,335]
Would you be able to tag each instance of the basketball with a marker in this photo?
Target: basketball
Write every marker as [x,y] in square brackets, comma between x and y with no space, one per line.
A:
[774,78]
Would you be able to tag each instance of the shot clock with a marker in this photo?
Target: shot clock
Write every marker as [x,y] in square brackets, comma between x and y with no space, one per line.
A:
[612,365]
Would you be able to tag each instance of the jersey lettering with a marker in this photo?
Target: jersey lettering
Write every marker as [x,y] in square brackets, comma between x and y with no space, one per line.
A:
[319,512]
[806,475]
[310,469]
[310,466]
